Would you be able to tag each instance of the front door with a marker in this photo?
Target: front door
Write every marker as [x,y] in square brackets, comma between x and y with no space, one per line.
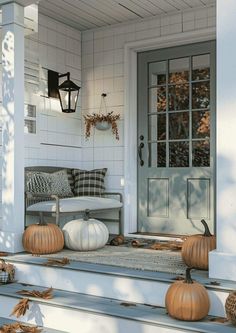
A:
[176,139]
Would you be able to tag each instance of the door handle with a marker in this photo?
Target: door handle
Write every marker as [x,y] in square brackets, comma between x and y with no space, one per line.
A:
[140,147]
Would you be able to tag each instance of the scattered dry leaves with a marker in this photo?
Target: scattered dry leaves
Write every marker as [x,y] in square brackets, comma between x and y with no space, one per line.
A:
[173,246]
[19,328]
[21,308]
[57,262]
[46,294]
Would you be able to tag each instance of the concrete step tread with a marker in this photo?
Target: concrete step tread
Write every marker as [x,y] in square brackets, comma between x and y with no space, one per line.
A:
[110,307]
[200,276]
[5,321]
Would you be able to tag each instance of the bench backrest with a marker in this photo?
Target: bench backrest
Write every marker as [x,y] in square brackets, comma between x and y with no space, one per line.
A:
[48,169]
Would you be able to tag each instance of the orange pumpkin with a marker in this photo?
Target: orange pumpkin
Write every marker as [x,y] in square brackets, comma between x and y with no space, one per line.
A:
[196,248]
[187,300]
[43,239]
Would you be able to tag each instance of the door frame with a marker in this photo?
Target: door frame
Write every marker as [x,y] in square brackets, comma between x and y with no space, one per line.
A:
[130,112]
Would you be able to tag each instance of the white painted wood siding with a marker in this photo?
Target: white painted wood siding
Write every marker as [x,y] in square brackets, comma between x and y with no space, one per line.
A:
[89,14]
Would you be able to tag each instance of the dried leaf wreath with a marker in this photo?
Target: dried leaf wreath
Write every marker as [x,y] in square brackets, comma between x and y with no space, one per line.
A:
[57,262]
[46,294]
[92,119]
[19,328]
[21,308]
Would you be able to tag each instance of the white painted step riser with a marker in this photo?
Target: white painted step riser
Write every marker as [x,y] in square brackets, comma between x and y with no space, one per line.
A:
[122,288]
[77,321]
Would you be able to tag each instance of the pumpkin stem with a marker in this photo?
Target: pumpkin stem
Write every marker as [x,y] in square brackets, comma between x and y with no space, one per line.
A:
[41,219]
[86,214]
[188,278]
[207,232]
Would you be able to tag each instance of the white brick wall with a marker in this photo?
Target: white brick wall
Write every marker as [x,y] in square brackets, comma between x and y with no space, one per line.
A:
[103,71]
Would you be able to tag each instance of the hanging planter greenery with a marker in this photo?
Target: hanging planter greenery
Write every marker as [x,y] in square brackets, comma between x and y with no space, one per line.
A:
[102,121]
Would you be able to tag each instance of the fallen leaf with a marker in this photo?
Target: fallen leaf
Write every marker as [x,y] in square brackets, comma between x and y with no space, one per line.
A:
[47,294]
[127,304]
[21,308]
[215,283]
[57,262]
[19,328]
[118,240]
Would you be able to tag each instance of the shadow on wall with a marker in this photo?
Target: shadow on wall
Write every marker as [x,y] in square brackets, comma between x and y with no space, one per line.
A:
[8,136]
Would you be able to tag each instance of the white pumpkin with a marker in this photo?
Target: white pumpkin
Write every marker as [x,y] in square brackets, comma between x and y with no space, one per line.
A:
[85,235]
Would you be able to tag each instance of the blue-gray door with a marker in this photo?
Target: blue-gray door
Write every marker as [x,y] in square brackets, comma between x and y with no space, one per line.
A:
[176,139]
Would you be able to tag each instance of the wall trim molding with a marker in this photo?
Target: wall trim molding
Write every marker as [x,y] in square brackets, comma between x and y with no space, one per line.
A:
[130,111]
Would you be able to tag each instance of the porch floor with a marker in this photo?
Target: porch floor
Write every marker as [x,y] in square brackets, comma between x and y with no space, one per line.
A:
[109,269]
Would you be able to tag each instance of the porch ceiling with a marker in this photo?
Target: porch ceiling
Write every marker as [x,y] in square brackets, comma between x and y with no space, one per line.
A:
[90,14]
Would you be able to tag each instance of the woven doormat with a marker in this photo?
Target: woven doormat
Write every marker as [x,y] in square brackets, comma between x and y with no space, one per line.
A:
[140,259]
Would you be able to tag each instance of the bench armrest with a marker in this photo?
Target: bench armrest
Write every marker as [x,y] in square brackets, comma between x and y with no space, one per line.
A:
[113,194]
[31,198]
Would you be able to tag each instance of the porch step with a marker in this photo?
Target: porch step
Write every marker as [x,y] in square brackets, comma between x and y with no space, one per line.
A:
[74,312]
[5,321]
[128,285]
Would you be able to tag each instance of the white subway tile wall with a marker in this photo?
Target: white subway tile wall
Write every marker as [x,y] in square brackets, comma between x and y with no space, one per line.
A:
[103,71]
[58,139]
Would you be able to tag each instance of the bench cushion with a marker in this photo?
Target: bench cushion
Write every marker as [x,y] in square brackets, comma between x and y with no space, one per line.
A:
[76,204]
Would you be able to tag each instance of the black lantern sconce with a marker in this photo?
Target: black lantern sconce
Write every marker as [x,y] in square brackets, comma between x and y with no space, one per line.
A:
[67,92]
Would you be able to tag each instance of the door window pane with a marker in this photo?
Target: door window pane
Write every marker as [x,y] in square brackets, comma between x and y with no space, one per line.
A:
[179,97]
[201,153]
[178,125]
[157,73]
[157,127]
[201,124]
[179,71]
[157,154]
[201,95]
[179,154]
[161,154]
[157,99]
[201,67]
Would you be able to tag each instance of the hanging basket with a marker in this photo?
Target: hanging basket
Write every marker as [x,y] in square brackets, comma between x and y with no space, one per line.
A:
[103,126]
[102,121]
[7,272]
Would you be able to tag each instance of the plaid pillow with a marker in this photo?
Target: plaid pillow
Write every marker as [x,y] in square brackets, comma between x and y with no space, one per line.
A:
[89,183]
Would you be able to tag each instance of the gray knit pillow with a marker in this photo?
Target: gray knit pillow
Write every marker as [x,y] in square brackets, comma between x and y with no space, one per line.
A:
[49,183]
